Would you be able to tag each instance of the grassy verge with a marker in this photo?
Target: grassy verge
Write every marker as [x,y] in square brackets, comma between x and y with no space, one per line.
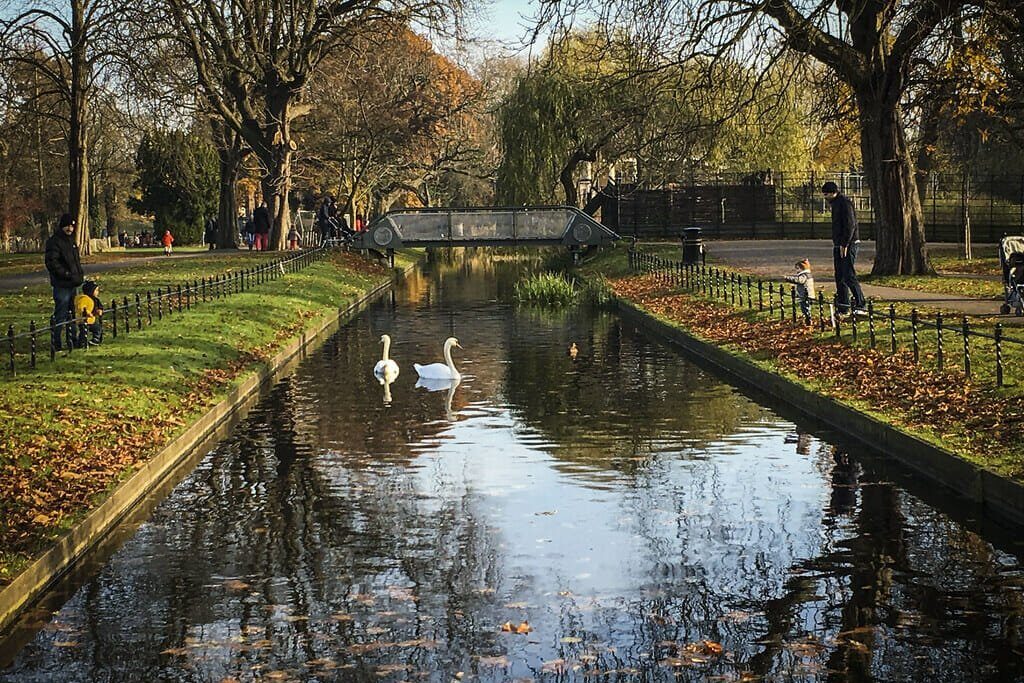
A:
[18,264]
[970,417]
[74,428]
[36,303]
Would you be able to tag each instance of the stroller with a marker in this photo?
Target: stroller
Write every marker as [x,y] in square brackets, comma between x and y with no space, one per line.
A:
[1011,258]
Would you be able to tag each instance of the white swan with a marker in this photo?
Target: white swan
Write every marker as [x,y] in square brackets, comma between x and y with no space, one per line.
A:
[386,367]
[444,370]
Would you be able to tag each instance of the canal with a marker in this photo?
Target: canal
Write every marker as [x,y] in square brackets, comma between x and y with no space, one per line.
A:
[618,515]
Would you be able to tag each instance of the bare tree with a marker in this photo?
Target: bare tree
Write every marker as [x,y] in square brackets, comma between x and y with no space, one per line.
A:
[254,59]
[68,45]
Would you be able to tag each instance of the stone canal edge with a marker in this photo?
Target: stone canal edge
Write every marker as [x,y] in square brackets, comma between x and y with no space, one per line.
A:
[1000,497]
[59,559]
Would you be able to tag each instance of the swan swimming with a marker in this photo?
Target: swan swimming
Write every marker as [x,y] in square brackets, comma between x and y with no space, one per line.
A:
[386,367]
[444,370]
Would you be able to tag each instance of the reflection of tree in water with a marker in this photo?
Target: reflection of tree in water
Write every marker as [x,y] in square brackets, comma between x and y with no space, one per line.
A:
[620,401]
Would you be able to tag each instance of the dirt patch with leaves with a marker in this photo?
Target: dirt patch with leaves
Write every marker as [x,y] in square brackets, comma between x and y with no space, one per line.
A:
[972,420]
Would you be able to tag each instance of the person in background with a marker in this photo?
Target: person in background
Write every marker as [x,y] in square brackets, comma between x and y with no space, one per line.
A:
[89,310]
[293,238]
[261,226]
[64,265]
[168,240]
[360,222]
[324,218]
[845,245]
[210,233]
[804,282]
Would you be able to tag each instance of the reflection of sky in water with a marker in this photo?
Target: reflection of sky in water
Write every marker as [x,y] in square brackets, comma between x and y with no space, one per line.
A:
[625,504]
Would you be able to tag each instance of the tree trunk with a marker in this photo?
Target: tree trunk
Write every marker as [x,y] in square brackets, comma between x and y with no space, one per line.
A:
[78,134]
[276,157]
[229,152]
[899,220]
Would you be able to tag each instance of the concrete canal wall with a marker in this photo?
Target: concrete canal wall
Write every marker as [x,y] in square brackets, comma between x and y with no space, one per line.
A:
[1002,498]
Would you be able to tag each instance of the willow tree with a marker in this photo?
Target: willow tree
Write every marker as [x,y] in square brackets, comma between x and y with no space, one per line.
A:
[565,110]
[254,59]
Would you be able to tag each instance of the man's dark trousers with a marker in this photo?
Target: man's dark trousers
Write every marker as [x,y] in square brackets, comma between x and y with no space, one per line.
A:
[846,278]
[63,301]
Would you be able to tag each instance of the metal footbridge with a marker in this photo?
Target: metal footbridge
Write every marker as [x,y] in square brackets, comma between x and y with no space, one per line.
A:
[484,226]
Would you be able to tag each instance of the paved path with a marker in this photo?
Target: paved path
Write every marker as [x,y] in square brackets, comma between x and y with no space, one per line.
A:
[14,283]
[770,259]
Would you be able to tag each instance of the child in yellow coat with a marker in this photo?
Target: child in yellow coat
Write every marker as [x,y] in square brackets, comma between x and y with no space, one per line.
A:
[89,311]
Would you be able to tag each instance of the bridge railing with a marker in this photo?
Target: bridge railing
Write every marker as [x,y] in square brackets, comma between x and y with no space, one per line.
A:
[549,224]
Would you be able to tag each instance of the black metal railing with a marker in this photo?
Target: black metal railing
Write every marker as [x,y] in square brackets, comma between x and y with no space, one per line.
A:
[139,309]
[898,331]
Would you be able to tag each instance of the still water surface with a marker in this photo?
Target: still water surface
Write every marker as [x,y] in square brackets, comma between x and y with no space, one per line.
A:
[626,505]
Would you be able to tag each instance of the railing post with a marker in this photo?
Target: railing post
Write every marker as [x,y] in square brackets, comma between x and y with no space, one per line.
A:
[750,303]
[913,335]
[853,325]
[113,314]
[792,301]
[999,354]
[938,340]
[821,311]
[149,307]
[760,295]
[179,298]
[127,317]
[138,311]
[871,323]
[892,327]
[32,344]
[782,303]
[10,347]
[771,300]
[967,347]
[159,304]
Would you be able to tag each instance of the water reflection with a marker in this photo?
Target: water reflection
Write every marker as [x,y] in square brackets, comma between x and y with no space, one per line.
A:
[626,504]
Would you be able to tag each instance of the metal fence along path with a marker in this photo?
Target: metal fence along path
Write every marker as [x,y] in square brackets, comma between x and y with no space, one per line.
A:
[141,309]
[942,340]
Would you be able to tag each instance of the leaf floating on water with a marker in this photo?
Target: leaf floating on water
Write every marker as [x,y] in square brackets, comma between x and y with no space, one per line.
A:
[570,640]
[175,651]
[66,643]
[236,585]
[524,627]
[555,666]
[500,661]
[517,605]
[404,594]
[507,627]
[342,617]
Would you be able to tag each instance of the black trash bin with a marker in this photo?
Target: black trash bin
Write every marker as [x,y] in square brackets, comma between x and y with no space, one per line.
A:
[693,247]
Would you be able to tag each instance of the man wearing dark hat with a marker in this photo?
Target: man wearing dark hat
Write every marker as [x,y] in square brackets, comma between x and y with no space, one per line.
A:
[845,245]
[65,268]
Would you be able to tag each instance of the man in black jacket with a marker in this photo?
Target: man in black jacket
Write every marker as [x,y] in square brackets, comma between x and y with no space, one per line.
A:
[845,245]
[65,268]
